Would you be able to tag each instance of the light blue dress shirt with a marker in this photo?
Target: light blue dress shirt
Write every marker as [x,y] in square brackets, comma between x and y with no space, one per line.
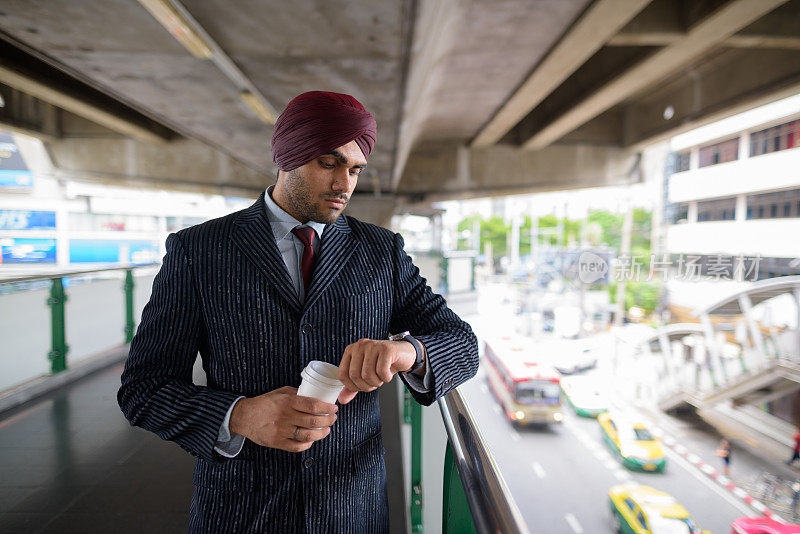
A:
[291,249]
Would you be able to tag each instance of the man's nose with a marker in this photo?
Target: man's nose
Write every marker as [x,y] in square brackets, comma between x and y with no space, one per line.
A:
[341,179]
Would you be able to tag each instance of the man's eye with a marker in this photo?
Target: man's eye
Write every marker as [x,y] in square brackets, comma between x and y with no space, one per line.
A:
[327,165]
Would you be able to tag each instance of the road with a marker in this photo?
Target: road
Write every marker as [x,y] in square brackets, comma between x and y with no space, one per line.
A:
[560,476]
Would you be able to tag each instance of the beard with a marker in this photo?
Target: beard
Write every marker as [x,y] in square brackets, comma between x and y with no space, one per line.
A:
[303,202]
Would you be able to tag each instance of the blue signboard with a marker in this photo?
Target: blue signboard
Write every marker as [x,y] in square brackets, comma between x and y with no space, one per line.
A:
[27,220]
[143,252]
[93,251]
[13,170]
[14,250]
[112,251]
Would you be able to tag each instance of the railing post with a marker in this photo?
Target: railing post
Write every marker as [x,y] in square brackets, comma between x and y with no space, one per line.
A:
[57,356]
[456,516]
[130,325]
[408,401]
[416,468]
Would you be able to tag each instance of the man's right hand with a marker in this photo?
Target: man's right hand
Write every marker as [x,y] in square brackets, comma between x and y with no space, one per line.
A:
[271,419]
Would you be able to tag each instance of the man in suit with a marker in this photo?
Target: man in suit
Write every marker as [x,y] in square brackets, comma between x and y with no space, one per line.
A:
[260,293]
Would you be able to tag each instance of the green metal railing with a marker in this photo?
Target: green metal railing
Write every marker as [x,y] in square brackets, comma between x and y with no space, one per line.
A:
[58,297]
[475,496]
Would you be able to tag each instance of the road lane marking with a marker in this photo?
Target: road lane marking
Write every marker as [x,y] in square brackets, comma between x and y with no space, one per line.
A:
[484,388]
[621,475]
[573,523]
[515,435]
[736,503]
[610,464]
[538,469]
[496,409]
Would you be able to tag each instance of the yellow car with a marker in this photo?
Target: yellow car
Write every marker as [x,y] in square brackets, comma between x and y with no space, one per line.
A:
[632,443]
[643,510]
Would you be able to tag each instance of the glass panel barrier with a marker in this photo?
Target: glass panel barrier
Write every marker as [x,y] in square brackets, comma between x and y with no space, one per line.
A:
[25,333]
[95,315]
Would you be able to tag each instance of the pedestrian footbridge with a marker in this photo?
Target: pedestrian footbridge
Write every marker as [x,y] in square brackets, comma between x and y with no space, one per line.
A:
[728,366]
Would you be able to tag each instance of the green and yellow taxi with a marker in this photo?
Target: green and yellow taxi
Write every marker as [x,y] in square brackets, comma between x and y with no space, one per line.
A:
[632,442]
[639,509]
[585,394]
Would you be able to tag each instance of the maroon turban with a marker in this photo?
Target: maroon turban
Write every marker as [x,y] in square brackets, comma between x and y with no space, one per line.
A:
[317,122]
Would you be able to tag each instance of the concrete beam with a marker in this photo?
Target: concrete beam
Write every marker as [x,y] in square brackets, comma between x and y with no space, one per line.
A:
[21,70]
[598,24]
[461,173]
[701,38]
[22,113]
[728,82]
[372,209]
[735,41]
[184,165]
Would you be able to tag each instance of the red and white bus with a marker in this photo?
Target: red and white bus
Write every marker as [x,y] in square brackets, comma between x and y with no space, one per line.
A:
[528,390]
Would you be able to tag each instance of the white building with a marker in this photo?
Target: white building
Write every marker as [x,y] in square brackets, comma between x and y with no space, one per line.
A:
[735,193]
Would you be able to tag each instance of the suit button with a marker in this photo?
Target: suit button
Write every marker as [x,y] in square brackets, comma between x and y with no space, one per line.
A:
[308,462]
[307,328]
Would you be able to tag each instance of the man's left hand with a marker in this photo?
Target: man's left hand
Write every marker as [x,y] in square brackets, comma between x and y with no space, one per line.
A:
[368,364]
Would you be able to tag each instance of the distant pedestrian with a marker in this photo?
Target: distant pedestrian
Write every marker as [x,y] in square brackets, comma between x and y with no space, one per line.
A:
[796,453]
[724,452]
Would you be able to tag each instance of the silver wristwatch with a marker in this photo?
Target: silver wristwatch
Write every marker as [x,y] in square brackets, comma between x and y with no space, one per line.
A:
[406,336]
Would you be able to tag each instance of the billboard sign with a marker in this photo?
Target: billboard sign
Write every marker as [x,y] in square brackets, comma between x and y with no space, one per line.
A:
[14,250]
[14,172]
[27,220]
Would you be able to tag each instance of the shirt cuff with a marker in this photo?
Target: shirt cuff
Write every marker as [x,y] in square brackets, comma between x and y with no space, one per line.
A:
[229,445]
[421,384]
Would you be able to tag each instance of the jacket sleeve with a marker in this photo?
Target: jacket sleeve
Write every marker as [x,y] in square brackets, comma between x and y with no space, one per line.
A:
[450,344]
[157,392]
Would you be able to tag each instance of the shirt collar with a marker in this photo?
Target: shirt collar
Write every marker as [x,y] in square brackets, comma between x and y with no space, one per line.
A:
[281,222]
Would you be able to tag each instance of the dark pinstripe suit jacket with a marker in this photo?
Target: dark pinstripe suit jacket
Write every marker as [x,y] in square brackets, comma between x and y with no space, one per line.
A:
[224,290]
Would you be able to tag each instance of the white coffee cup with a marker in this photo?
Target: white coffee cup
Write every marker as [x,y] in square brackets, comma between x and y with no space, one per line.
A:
[320,382]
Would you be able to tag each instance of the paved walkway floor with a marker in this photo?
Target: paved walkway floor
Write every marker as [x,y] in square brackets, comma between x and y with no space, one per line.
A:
[71,463]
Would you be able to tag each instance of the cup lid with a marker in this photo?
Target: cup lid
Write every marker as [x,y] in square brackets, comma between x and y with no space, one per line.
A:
[323,372]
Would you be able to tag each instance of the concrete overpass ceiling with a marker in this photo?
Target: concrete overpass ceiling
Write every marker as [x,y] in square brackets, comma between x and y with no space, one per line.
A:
[704,59]
[472,97]
[283,48]
[493,50]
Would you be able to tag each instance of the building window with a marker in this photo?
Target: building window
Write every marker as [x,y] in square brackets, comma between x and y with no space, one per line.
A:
[682,160]
[719,152]
[723,209]
[680,213]
[776,138]
[782,204]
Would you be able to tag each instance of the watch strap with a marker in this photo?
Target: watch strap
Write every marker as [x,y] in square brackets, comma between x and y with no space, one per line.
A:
[420,361]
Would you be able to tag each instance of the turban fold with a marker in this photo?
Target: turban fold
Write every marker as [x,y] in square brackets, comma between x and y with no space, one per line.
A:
[317,122]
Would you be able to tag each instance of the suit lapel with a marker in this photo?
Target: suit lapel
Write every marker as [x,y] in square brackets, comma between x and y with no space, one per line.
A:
[253,235]
[337,247]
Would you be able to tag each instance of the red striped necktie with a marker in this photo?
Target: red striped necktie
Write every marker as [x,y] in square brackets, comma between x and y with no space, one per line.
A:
[306,235]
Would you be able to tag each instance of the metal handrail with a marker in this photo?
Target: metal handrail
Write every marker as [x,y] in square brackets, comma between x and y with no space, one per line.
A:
[491,504]
[51,276]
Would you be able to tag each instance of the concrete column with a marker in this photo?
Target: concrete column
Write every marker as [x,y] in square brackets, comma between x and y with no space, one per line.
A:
[694,158]
[691,214]
[796,355]
[741,208]
[755,333]
[515,240]
[666,351]
[713,361]
[744,145]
